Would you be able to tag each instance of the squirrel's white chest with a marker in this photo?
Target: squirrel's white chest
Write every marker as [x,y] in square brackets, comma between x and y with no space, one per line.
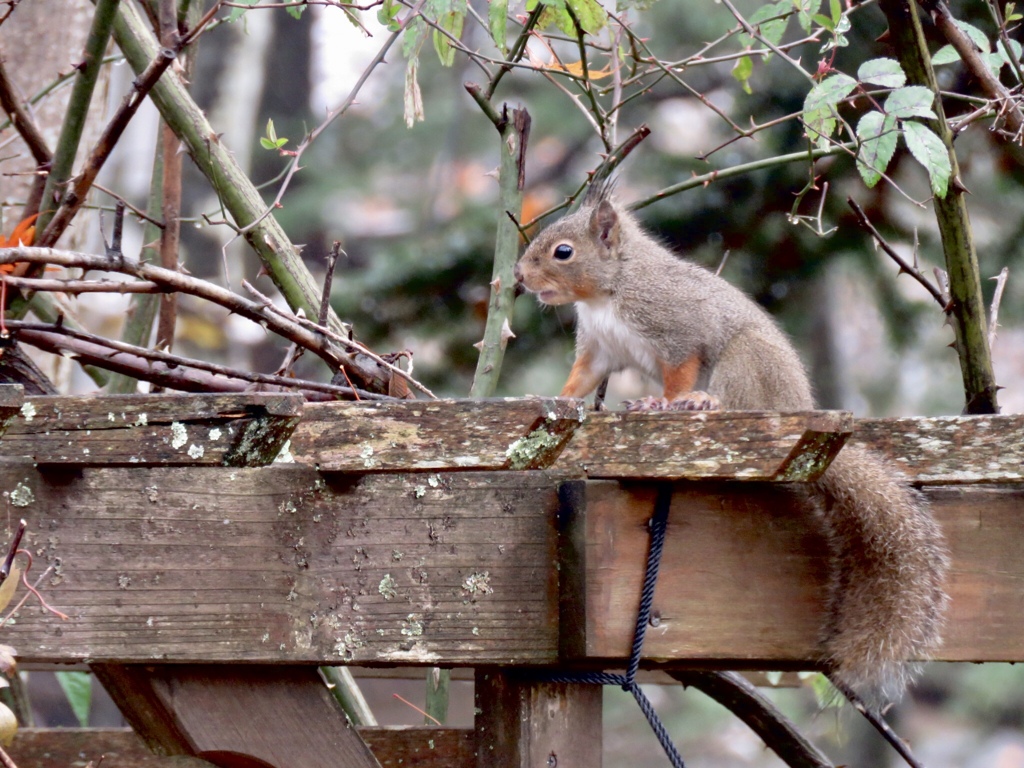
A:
[614,343]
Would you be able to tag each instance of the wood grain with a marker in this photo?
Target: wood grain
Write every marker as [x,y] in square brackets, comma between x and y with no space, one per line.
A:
[237,716]
[707,445]
[379,436]
[408,747]
[283,564]
[743,574]
[126,430]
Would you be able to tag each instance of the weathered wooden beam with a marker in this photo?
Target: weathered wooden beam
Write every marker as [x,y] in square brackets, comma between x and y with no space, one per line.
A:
[124,430]
[523,724]
[251,715]
[12,398]
[742,580]
[404,746]
[954,450]
[707,445]
[380,436]
[283,564]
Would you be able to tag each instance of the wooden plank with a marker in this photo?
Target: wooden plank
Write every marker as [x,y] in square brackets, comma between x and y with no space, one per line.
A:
[707,445]
[123,430]
[379,436]
[524,724]
[950,449]
[408,747]
[280,716]
[743,574]
[283,564]
[12,398]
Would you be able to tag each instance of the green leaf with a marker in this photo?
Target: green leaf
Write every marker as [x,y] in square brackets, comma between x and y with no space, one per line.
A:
[451,22]
[295,11]
[825,21]
[805,13]
[978,37]
[878,135]
[387,15]
[497,23]
[929,151]
[945,55]
[742,70]
[911,101]
[885,72]
[819,113]
[770,20]
[836,8]
[77,687]
[271,133]
[266,143]
[236,13]
[589,13]
[1015,49]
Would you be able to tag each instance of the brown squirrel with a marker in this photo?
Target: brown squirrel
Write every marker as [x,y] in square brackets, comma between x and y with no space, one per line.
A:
[710,346]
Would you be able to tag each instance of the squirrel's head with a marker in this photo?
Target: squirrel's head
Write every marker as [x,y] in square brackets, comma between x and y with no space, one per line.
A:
[577,257]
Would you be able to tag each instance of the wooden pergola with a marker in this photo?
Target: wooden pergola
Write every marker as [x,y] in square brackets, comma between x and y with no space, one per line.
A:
[205,584]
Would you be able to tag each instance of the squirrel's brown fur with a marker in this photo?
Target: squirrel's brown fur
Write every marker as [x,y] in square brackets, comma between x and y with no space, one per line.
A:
[640,306]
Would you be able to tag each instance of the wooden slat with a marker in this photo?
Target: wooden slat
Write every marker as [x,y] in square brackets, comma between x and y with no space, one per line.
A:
[950,449]
[525,724]
[743,574]
[123,430]
[282,564]
[707,445]
[237,716]
[512,433]
[12,398]
[408,747]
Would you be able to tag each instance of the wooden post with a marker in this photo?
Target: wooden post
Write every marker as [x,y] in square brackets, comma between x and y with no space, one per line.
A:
[526,724]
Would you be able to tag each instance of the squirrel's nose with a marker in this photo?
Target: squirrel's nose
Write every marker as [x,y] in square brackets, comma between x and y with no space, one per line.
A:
[518,273]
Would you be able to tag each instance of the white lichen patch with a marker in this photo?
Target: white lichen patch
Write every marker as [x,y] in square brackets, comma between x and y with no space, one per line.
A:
[419,491]
[141,420]
[412,626]
[111,416]
[285,455]
[215,434]
[478,584]
[529,451]
[388,587]
[179,435]
[124,581]
[21,496]
[366,454]
[196,451]
[28,410]
[434,481]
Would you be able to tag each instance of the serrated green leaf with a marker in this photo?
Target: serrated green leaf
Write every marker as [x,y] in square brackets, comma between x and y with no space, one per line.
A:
[945,55]
[878,136]
[413,37]
[825,21]
[236,13]
[805,10]
[497,23]
[994,62]
[558,17]
[911,101]
[742,70]
[770,20]
[451,22]
[978,37]
[819,113]
[387,15]
[885,72]
[836,9]
[929,151]
[591,16]
[77,686]
[295,11]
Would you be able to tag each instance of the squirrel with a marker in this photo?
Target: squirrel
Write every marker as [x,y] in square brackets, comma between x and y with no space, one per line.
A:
[710,346]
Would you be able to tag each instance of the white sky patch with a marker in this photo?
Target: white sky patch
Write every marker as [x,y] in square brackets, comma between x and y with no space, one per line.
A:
[341,52]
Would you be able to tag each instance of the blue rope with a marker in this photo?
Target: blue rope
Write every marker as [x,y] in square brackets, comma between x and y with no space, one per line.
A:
[658,527]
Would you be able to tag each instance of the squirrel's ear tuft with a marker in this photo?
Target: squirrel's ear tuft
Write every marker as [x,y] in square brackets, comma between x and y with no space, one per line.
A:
[604,224]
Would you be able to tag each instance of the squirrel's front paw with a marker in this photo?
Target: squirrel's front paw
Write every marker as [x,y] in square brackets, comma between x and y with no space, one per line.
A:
[647,404]
[694,401]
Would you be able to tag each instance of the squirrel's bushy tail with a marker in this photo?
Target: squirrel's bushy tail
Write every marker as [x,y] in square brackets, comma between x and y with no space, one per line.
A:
[886,596]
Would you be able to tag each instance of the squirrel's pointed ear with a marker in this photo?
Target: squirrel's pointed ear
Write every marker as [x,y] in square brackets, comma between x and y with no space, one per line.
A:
[604,224]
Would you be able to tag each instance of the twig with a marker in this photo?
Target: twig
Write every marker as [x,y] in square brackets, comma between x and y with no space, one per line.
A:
[325,302]
[866,224]
[74,198]
[879,724]
[997,298]
[22,120]
[744,700]
[4,757]
[5,569]
[82,286]
[166,370]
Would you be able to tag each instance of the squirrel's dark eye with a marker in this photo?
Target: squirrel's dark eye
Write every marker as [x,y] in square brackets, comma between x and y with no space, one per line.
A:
[563,252]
